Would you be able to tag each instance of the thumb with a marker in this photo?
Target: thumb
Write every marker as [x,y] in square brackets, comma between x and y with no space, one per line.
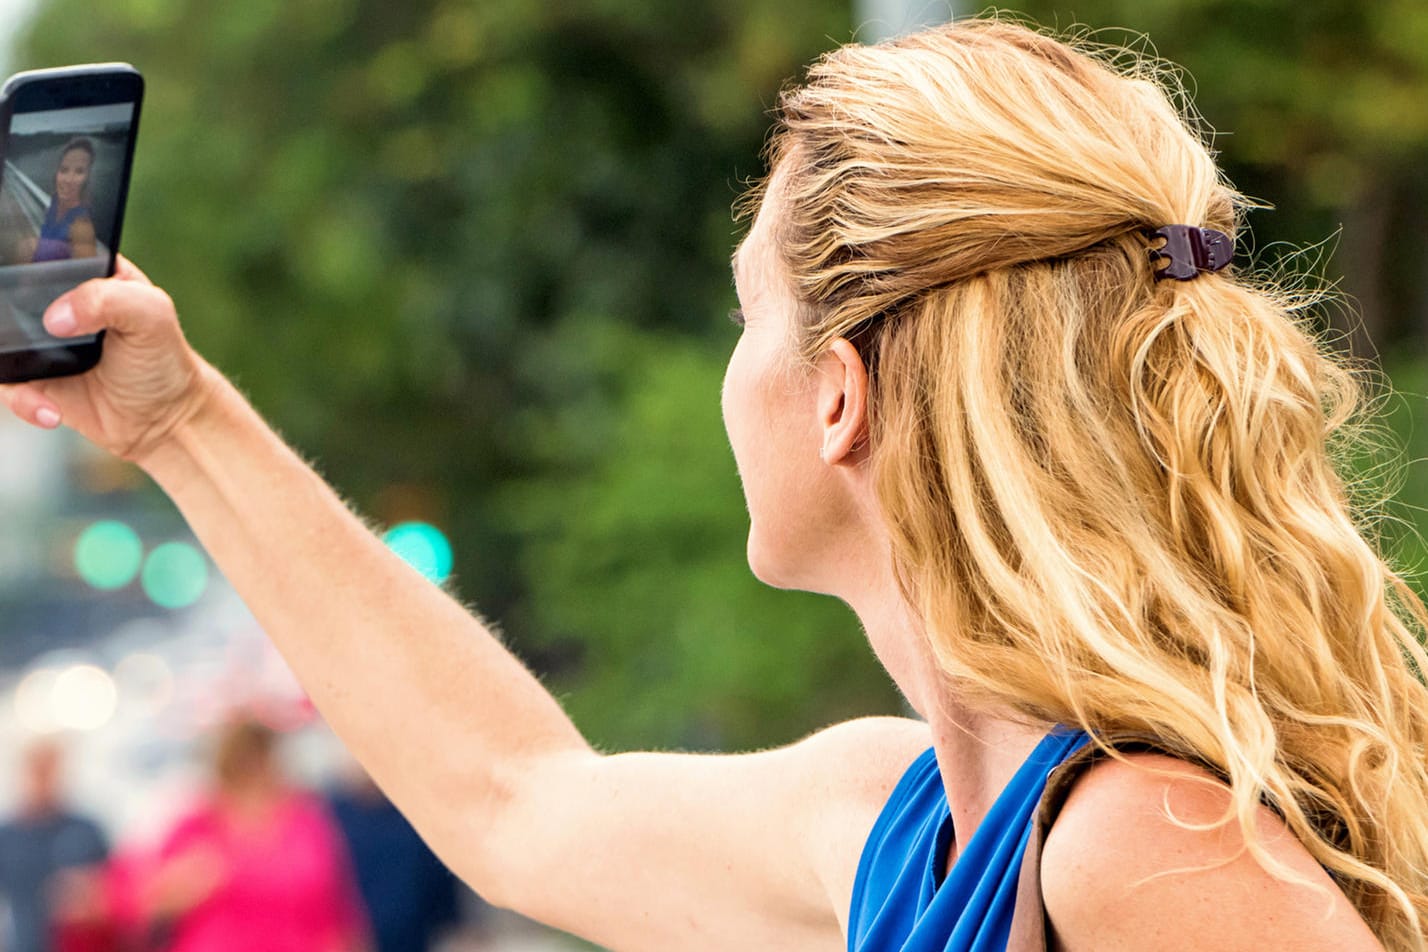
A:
[129,307]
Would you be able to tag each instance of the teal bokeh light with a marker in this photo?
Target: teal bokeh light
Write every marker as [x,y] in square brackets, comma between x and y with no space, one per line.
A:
[108,555]
[424,547]
[175,575]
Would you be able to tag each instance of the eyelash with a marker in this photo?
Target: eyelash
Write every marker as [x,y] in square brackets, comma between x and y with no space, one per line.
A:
[736,317]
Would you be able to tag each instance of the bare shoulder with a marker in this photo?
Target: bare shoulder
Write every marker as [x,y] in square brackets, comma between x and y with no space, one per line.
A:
[1137,859]
[849,771]
[864,758]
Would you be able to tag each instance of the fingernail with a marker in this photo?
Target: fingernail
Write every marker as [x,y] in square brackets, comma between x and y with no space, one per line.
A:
[60,321]
[47,418]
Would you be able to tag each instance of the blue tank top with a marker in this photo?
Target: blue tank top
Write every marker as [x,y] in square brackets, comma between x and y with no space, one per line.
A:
[901,903]
[53,244]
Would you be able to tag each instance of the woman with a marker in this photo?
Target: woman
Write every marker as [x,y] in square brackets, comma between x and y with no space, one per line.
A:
[1079,504]
[258,865]
[68,228]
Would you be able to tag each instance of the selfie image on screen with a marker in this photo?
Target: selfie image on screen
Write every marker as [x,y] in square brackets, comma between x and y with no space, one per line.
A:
[59,195]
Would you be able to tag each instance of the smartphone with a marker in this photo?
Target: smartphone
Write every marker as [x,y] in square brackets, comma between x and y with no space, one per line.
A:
[68,151]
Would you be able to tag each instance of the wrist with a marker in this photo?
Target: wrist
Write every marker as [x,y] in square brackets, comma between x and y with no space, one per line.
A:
[176,447]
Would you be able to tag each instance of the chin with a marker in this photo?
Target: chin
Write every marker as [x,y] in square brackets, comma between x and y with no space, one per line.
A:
[786,567]
[768,567]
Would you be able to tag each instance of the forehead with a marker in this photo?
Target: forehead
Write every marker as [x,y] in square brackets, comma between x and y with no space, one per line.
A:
[753,256]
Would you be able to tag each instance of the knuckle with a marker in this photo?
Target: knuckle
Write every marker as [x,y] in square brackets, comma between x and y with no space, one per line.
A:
[156,305]
[163,301]
[88,300]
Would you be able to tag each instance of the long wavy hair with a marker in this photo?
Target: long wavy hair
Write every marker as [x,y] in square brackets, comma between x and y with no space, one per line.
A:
[1112,500]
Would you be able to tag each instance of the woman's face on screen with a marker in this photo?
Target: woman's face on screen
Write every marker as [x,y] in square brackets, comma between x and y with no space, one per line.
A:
[72,175]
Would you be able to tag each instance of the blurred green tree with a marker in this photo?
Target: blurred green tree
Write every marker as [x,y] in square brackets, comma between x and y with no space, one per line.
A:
[639,558]
[473,258]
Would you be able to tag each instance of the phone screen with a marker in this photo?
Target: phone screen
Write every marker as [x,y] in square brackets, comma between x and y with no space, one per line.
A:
[61,195]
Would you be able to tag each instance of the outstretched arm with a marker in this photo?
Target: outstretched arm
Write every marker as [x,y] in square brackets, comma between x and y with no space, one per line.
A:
[635,851]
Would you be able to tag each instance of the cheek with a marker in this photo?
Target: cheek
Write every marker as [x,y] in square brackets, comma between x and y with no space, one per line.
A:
[781,490]
[746,422]
[734,400]
[724,393]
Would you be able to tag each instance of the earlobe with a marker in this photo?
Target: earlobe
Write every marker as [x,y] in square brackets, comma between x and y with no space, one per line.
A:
[842,403]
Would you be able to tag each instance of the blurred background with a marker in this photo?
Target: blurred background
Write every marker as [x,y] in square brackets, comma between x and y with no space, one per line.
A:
[472,259]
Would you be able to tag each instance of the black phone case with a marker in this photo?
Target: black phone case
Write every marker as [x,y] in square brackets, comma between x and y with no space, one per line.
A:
[71,87]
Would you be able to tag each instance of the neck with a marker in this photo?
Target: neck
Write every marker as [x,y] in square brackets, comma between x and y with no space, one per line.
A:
[978,750]
[253,797]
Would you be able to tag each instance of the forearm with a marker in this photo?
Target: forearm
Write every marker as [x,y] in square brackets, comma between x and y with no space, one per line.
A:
[423,694]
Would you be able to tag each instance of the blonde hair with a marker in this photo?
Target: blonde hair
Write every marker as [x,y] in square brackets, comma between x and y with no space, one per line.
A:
[1111,499]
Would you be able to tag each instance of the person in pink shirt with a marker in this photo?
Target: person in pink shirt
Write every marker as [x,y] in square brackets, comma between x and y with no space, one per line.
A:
[258,867]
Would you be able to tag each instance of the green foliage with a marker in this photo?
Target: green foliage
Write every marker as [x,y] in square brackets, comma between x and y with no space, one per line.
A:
[644,556]
[1403,473]
[1316,90]
[472,256]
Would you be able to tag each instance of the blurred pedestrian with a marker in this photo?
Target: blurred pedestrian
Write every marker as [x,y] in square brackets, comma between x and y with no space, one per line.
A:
[51,856]
[259,866]
[410,896]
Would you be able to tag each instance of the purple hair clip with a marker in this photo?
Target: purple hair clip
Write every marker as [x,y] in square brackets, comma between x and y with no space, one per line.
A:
[1190,250]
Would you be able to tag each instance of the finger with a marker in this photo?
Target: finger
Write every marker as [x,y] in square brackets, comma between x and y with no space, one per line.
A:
[126,270]
[29,403]
[129,307]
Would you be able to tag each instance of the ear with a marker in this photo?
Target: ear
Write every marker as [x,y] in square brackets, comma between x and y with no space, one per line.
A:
[842,403]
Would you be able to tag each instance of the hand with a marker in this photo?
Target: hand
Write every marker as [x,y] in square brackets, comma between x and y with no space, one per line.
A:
[147,383]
